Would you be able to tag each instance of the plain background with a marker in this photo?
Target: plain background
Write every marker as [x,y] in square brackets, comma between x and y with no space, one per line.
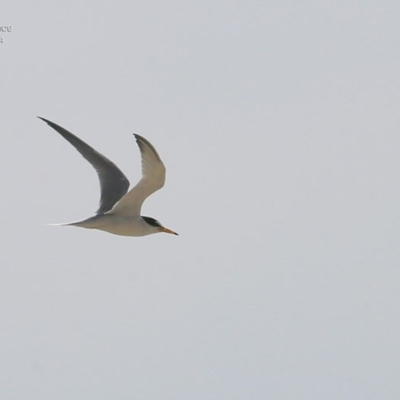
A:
[278,122]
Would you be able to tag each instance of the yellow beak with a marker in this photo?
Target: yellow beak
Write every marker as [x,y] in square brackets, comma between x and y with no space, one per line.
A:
[166,230]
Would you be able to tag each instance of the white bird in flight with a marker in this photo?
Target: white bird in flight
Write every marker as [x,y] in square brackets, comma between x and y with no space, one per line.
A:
[119,211]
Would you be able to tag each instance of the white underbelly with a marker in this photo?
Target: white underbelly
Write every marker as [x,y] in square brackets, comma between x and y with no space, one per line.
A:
[117,225]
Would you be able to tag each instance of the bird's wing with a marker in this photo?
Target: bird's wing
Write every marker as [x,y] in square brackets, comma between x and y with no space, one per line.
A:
[153,179]
[113,183]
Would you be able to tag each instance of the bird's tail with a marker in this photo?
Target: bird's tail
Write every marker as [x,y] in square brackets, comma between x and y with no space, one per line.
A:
[90,223]
[64,224]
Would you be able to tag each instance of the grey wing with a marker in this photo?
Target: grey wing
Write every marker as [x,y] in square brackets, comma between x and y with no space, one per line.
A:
[153,179]
[113,183]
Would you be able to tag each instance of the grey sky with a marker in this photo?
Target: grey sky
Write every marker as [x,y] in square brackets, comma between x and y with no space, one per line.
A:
[278,122]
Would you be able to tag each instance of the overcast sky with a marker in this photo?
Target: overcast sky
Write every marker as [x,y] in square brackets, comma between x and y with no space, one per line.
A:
[279,125]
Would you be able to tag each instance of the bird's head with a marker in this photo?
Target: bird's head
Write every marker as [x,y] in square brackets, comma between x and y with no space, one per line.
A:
[154,223]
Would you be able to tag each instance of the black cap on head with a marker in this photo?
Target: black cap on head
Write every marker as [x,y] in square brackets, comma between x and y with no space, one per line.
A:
[152,222]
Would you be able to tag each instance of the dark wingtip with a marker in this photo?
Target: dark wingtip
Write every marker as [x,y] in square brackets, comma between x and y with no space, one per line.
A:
[52,124]
[44,119]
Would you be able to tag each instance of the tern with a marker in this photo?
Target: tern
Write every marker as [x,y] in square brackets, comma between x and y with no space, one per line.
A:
[119,210]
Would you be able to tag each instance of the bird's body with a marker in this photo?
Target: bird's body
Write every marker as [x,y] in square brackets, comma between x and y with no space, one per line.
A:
[119,211]
[117,224]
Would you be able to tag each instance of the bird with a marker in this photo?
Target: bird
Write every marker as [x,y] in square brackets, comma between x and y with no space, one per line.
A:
[119,210]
